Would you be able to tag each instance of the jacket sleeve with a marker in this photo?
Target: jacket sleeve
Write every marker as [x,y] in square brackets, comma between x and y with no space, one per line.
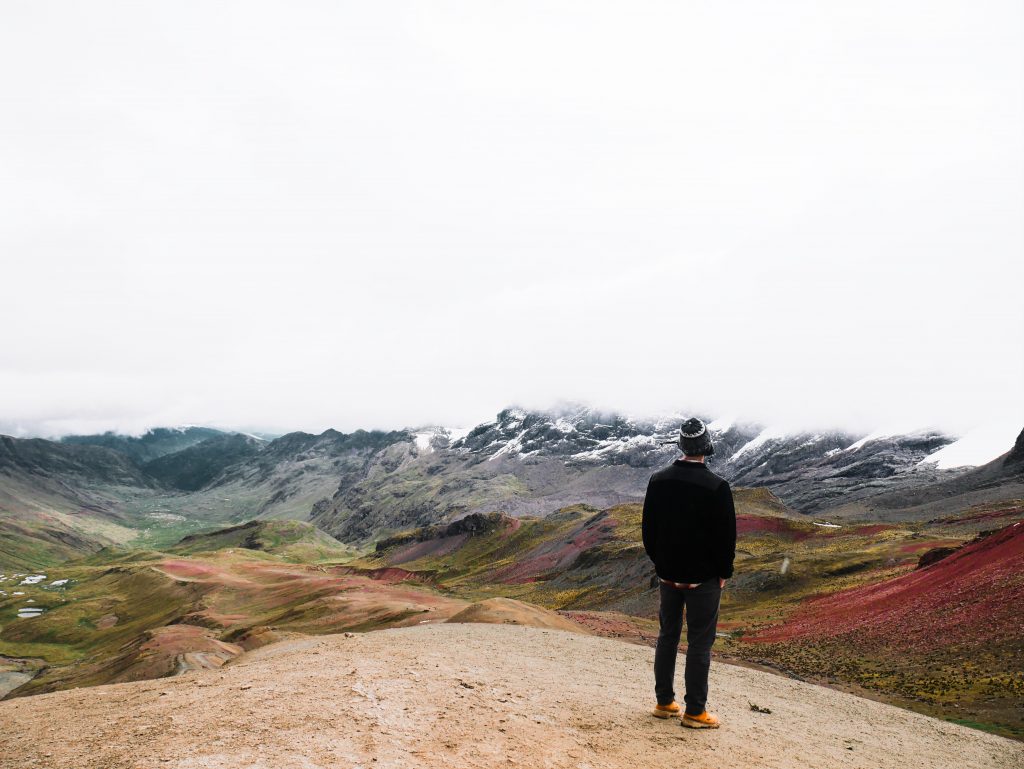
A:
[648,525]
[725,551]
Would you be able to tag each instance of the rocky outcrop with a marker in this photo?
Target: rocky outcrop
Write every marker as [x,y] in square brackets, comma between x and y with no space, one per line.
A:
[475,523]
[1014,461]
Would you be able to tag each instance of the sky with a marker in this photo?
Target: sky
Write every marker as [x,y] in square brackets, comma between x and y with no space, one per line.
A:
[280,216]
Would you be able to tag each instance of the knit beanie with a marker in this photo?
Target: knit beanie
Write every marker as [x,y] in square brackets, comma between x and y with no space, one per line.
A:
[694,439]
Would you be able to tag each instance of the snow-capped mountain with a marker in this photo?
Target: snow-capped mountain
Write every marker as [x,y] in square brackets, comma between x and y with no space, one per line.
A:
[747,454]
[586,436]
[533,462]
[359,485]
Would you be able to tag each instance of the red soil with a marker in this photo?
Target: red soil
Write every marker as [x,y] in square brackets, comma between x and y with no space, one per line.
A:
[972,597]
[756,524]
[389,575]
[188,569]
[427,549]
[987,515]
[870,529]
[171,649]
[557,554]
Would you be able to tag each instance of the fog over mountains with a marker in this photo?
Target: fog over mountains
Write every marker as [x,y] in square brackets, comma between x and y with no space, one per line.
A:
[362,485]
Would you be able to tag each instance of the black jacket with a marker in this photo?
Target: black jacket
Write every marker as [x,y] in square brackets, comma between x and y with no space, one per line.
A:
[689,523]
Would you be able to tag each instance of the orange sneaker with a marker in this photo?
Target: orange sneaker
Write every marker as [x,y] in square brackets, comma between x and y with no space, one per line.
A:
[666,711]
[704,721]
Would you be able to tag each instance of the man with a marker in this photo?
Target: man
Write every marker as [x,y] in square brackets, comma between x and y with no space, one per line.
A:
[689,532]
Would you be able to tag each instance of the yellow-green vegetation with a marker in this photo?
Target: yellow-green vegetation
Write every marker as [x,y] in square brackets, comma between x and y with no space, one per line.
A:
[986,682]
[100,608]
[591,562]
[46,538]
[106,602]
[295,541]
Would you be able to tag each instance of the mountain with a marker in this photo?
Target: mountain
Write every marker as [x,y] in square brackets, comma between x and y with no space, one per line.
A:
[452,696]
[151,445]
[42,539]
[366,484]
[1000,479]
[291,474]
[1013,462]
[193,467]
[532,462]
[59,462]
[815,471]
[59,501]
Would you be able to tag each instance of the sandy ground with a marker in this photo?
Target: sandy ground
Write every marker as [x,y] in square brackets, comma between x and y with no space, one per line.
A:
[458,695]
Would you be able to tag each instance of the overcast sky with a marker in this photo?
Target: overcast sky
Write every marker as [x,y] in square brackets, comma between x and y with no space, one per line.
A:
[377,214]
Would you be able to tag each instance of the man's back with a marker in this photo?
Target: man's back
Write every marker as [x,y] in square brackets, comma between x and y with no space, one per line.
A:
[689,523]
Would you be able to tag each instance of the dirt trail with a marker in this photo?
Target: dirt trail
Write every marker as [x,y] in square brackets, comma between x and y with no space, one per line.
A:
[453,695]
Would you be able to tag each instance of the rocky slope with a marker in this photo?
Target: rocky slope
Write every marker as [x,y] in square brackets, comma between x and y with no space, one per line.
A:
[443,696]
[58,501]
[1000,479]
[530,463]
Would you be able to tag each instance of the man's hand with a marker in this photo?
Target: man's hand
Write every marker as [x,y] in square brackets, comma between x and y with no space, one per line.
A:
[721,583]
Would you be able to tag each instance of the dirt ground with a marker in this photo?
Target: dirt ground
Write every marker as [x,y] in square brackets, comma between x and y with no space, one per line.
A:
[467,695]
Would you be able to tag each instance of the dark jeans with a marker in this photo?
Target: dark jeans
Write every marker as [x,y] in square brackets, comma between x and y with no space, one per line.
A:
[701,605]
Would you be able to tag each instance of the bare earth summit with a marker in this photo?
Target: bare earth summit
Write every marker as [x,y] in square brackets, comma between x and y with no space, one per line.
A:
[457,695]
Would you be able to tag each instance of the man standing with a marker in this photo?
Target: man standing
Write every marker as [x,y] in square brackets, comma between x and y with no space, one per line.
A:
[689,532]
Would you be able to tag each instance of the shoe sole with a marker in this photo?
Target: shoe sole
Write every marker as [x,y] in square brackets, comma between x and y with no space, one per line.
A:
[664,714]
[691,724]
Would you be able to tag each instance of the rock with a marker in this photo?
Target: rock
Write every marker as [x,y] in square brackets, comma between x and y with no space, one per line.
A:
[934,555]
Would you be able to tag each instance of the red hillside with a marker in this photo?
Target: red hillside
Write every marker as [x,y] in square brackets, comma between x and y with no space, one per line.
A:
[972,597]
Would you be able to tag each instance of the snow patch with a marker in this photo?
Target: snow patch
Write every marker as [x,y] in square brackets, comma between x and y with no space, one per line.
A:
[564,425]
[978,446]
[869,437]
[722,424]
[768,434]
[513,446]
[617,446]
[887,432]
[457,433]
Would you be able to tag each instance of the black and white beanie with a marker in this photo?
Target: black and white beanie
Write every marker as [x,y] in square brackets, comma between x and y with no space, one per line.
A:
[694,439]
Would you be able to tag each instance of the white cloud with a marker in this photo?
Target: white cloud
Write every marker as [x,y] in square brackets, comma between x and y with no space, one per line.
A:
[269,215]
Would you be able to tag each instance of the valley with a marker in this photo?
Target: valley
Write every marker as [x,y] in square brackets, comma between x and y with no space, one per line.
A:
[127,559]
